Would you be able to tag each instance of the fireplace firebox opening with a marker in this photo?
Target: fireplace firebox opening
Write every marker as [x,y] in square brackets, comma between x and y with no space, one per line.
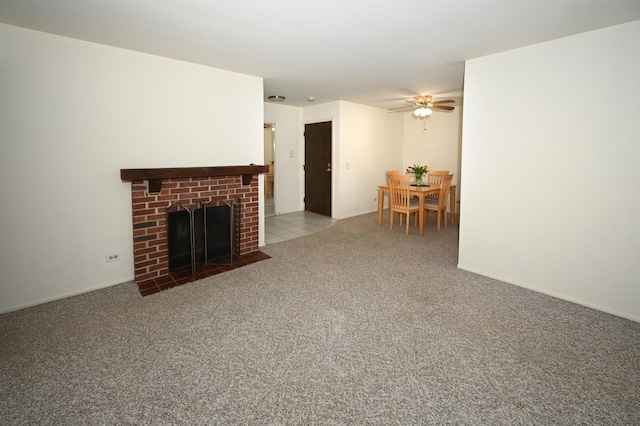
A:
[207,234]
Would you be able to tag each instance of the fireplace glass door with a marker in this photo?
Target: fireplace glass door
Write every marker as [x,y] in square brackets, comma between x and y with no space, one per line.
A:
[206,234]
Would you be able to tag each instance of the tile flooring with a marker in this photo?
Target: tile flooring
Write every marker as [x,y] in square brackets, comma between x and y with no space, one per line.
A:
[293,225]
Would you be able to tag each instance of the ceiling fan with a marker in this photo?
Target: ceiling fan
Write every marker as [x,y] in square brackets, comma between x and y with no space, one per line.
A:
[423,106]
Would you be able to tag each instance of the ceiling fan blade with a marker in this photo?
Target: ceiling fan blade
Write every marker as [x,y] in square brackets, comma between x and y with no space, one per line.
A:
[447,101]
[444,107]
[405,108]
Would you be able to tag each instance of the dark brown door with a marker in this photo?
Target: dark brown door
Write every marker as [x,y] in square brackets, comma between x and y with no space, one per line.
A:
[317,167]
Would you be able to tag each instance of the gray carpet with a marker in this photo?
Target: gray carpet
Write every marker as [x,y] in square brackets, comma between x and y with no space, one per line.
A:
[353,325]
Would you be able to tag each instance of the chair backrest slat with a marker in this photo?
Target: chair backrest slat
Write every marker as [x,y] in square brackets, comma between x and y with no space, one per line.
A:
[399,191]
[444,191]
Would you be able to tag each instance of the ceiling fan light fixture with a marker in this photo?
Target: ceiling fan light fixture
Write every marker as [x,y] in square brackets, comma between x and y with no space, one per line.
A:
[422,112]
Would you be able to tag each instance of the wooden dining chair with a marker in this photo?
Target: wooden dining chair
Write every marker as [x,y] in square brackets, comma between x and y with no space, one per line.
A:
[435,177]
[439,204]
[391,173]
[400,200]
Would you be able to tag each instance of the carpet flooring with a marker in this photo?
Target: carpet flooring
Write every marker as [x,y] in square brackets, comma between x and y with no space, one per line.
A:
[353,325]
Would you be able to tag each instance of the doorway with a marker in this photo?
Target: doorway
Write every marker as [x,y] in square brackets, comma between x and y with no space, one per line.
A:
[269,178]
[317,167]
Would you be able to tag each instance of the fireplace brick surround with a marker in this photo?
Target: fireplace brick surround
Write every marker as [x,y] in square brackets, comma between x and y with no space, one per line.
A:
[150,200]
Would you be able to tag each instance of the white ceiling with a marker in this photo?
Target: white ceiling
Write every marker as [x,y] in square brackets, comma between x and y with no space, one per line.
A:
[373,52]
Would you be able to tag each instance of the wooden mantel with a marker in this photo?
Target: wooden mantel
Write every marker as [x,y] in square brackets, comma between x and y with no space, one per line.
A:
[155,176]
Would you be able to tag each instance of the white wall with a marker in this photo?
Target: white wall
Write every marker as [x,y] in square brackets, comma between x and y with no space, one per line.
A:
[550,157]
[371,142]
[269,135]
[72,114]
[435,142]
[369,139]
[366,142]
[289,156]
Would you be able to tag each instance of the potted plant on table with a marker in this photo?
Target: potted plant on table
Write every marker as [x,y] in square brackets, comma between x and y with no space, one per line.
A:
[418,172]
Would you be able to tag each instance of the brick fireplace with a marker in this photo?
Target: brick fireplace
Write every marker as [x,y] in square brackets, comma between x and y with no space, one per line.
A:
[154,190]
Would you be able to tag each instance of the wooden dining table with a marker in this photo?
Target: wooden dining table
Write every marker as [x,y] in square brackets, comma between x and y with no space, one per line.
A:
[421,192]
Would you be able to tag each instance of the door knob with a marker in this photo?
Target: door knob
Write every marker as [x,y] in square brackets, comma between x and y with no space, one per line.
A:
[328,167]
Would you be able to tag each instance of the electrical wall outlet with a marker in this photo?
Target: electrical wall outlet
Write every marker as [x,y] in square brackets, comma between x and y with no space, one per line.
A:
[112,257]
